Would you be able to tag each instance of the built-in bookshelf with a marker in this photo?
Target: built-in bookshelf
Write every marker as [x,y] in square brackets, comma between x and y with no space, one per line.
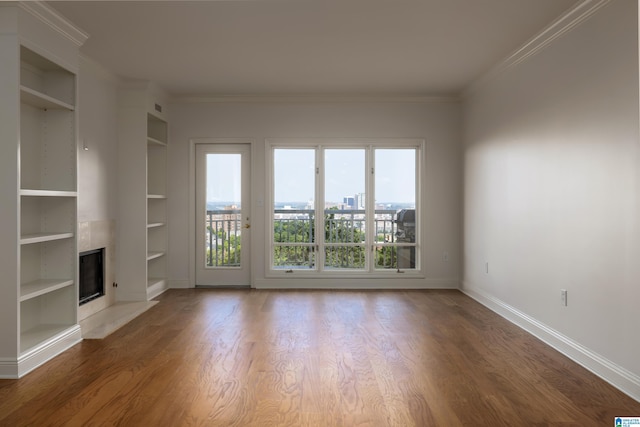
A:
[38,192]
[48,194]
[142,272]
[157,138]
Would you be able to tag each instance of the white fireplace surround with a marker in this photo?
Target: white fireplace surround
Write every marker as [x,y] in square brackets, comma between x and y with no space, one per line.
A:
[96,235]
[103,315]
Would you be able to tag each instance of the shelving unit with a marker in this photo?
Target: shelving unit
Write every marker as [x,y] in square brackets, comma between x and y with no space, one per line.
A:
[143,139]
[48,256]
[38,193]
[156,204]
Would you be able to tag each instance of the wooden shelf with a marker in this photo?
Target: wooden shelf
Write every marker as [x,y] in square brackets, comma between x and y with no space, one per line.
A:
[48,193]
[153,141]
[41,287]
[40,100]
[156,224]
[43,237]
[154,255]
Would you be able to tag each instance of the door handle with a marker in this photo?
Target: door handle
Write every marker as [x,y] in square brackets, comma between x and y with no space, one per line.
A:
[247,226]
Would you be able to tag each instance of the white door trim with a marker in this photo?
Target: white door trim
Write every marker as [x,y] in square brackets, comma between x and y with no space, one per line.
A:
[193,142]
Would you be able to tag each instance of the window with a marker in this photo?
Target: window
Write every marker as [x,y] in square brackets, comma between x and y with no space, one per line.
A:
[348,206]
[345,220]
[395,187]
[294,213]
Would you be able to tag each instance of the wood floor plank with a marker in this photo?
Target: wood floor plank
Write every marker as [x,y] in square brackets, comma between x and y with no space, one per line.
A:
[313,358]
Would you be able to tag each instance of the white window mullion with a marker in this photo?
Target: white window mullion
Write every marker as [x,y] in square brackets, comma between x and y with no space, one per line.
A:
[370,208]
[418,197]
[319,206]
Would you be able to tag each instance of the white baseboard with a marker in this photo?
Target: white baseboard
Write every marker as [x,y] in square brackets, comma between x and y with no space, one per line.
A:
[619,377]
[179,284]
[157,289]
[8,369]
[12,368]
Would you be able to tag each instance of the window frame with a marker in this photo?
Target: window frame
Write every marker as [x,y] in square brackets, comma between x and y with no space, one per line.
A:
[369,145]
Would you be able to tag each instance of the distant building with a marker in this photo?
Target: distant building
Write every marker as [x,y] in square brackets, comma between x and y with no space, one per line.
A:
[349,202]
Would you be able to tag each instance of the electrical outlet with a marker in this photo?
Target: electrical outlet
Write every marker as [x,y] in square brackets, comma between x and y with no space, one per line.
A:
[563,297]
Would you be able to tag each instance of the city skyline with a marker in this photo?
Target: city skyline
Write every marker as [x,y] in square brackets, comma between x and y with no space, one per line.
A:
[345,175]
[295,175]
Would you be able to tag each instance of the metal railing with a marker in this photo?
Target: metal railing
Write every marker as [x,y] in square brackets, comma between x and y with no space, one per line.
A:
[294,238]
[223,240]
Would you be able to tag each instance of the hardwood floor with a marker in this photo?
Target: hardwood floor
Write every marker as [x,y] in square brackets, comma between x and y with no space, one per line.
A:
[313,358]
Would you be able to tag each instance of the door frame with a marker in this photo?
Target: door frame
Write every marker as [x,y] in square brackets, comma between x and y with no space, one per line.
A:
[193,143]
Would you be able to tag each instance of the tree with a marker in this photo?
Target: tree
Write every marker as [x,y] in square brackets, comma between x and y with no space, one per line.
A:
[337,229]
[224,249]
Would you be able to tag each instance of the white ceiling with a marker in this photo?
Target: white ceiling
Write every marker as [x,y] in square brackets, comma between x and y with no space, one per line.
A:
[308,47]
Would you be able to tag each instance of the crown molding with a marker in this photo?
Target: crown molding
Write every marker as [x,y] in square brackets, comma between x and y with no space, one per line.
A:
[313,99]
[569,20]
[55,20]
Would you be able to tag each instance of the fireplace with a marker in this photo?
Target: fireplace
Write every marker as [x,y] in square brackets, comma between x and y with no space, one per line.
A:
[91,275]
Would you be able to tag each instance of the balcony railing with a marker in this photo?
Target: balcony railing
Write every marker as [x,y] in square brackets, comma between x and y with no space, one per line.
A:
[294,238]
[224,231]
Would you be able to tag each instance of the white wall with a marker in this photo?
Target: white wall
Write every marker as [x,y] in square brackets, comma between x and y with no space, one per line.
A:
[97,171]
[436,122]
[97,166]
[551,194]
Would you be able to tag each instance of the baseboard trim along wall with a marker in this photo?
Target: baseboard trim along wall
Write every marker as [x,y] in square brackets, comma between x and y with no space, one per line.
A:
[12,369]
[179,284]
[616,375]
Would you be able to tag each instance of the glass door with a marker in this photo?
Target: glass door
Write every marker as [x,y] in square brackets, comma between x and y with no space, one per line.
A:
[223,223]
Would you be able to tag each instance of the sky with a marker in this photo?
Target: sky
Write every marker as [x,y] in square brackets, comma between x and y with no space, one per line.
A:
[224,181]
[344,176]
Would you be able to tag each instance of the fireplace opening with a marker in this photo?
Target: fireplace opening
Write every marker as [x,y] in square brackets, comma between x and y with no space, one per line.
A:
[91,275]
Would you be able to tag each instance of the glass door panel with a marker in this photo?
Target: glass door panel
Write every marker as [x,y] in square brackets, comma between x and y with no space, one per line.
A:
[224,210]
